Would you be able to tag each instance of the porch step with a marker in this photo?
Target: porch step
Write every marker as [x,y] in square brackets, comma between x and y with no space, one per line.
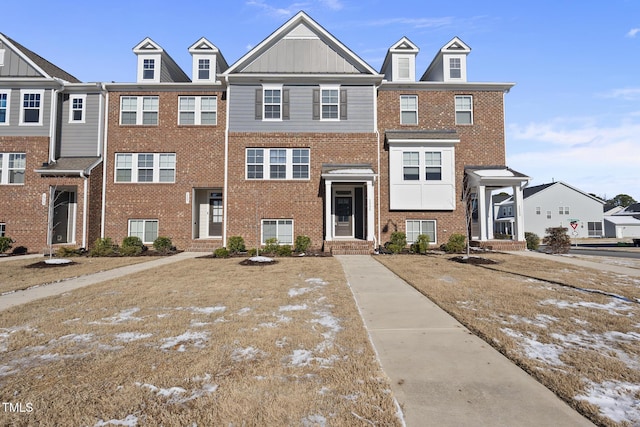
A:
[204,246]
[350,247]
[501,245]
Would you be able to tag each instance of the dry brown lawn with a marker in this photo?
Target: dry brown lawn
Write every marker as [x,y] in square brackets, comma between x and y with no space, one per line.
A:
[574,329]
[202,342]
[15,274]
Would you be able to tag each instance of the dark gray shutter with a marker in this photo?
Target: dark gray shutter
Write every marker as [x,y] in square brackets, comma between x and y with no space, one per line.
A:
[316,104]
[285,104]
[259,104]
[343,104]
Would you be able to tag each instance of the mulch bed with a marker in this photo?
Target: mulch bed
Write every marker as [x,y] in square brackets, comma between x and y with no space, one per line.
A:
[44,264]
[473,260]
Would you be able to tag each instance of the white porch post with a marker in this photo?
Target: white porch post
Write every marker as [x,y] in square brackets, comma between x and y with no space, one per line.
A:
[489,213]
[482,212]
[518,216]
[370,212]
[328,196]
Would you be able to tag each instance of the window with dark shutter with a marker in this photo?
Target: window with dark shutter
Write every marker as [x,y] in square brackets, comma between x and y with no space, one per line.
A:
[343,104]
[258,104]
[316,104]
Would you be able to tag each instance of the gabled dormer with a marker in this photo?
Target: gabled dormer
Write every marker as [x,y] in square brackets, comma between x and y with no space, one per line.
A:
[450,64]
[400,63]
[155,65]
[207,61]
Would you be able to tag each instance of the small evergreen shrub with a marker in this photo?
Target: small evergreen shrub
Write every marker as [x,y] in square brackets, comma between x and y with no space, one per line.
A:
[163,245]
[102,247]
[131,246]
[557,240]
[398,242]
[221,253]
[302,243]
[19,250]
[533,241]
[236,245]
[252,252]
[5,243]
[68,252]
[271,246]
[456,243]
[284,250]
[421,245]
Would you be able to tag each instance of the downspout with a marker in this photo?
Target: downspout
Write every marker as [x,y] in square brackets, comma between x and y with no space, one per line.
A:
[84,209]
[225,192]
[104,163]
[54,120]
[377,131]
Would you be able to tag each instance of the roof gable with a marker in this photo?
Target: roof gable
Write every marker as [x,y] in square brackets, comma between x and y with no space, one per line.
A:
[530,191]
[301,46]
[169,70]
[455,46]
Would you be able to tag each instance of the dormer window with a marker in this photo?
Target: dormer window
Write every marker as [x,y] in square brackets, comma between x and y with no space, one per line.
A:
[404,72]
[148,69]
[455,68]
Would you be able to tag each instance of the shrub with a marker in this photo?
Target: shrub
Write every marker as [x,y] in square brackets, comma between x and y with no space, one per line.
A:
[131,246]
[397,243]
[163,245]
[271,246]
[302,243]
[67,252]
[5,243]
[557,240]
[221,253]
[284,250]
[102,247]
[20,250]
[456,243]
[236,244]
[533,241]
[252,252]
[421,245]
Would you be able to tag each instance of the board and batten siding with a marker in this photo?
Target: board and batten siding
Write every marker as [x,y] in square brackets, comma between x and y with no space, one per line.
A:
[80,139]
[14,128]
[16,66]
[360,111]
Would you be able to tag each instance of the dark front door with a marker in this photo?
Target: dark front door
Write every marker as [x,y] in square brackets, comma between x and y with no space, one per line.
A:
[215,214]
[343,216]
[61,202]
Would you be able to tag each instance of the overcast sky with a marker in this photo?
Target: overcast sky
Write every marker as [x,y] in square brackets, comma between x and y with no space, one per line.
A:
[573,116]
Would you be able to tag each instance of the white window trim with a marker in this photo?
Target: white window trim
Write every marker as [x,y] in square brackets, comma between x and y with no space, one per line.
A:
[24,92]
[198,110]
[435,230]
[140,110]
[7,121]
[465,110]
[4,169]
[144,222]
[134,169]
[266,169]
[157,64]
[278,220]
[266,87]
[3,229]
[196,67]
[403,110]
[322,104]
[83,97]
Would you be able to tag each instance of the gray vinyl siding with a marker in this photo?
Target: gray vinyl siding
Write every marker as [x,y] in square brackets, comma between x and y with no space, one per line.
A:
[360,111]
[15,66]
[80,139]
[15,129]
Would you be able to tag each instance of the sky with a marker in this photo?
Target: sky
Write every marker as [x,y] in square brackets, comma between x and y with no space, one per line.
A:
[572,116]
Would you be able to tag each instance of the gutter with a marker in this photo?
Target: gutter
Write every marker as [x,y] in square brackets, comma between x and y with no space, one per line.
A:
[225,193]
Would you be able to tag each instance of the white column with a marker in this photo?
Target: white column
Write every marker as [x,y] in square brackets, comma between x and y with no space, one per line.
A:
[328,200]
[489,213]
[518,233]
[370,212]
[482,212]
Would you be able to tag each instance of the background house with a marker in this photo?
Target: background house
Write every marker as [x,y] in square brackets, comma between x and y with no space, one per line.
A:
[623,223]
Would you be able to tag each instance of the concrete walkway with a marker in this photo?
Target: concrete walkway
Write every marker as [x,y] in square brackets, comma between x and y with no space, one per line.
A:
[32,294]
[581,262]
[442,374]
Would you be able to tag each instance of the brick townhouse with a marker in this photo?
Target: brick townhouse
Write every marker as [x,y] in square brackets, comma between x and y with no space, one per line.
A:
[299,136]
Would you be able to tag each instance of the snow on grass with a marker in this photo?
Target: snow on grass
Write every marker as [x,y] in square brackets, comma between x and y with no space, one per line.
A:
[534,349]
[5,335]
[246,354]
[315,420]
[129,420]
[616,400]
[131,336]
[260,259]
[205,310]
[294,292]
[180,394]
[123,316]
[196,339]
[294,307]
[613,307]
[541,320]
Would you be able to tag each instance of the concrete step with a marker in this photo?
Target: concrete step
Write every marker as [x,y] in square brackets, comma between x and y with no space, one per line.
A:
[348,247]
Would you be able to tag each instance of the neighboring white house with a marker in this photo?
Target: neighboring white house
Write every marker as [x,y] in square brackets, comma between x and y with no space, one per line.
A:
[624,223]
[556,204]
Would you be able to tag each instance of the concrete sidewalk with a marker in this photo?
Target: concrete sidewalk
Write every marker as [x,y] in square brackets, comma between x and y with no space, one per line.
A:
[442,374]
[581,262]
[22,297]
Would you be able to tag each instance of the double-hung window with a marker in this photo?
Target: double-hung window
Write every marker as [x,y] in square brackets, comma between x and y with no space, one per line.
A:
[4,107]
[139,110]
[277,163]
[31,108]
[433,165]
[12,168]
[148,69]
[464,109]
[77,108]
[408,109]
[145,229]
[272,102]
[198,110]
[330,103]
[145,167]
[411,165]
[280,229]
[455,68]
[204,66]
[418,227]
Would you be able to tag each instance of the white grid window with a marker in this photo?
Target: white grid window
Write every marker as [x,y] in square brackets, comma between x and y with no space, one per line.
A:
[145,229]
[148,69]
[281,229]
[538,210]
[145,167]
[31,107]
[281,163]
[408,109]
[417,227]
[433,165]
[404,68]
[12,168]
[411,166]
[455,68]
[330,103]
[204,69]
[464,109]
[77,107]
[4,107]
[139,110]
[198,110]
[272,103]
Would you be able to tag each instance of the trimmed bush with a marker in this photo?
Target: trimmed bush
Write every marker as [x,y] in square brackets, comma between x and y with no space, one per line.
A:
[557,240]
[131,246]
[271,246]
[221,253]
[19,250]
[252,252]
[302,243]
[284,250]
[163,245]
[5,243]
[421,245]
[397,243]
[236,245]
[68,252]
[456,244]
[102,247]
[533,241]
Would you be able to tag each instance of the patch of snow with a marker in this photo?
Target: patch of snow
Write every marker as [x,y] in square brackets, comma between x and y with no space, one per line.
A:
[5,334]
[181,395]
[294,307]
[282,343]
[616,400]
[197,324]
[131,336]
[260,258]
[207,310]
[123,316]
[57,261]
[534,349]
[245,354]
[129,420]
[197,339]
[612,307]
[244,311]
[301,357]
[315,420]
[294,292]
[316,281]
[77,338]
[541,320]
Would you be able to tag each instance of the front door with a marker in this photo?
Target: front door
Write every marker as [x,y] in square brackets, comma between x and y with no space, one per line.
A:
[215,214]
[62,217]
[343,216]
